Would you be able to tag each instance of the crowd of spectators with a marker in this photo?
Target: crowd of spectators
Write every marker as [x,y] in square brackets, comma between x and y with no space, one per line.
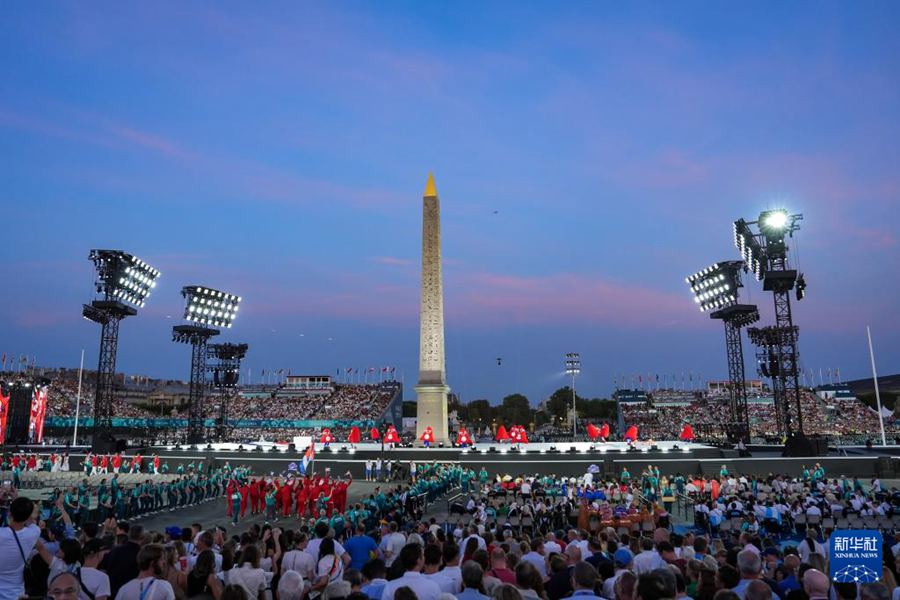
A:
[842,421]
[604,538]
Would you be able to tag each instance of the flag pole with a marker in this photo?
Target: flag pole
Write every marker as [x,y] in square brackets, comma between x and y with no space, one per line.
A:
[78,401]
[877,393]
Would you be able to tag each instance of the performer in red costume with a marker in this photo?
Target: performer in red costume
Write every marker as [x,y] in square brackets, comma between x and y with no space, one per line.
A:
[687,433]
[355,436]
[427,437]
[631,434]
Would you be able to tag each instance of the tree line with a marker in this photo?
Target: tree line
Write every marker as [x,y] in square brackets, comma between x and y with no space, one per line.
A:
[515,409]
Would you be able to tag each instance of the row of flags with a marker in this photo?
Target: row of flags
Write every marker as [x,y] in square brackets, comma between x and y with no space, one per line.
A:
[352,371]
[24,361]
[651,380]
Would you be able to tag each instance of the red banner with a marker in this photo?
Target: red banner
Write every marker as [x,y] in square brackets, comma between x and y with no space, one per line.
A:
[4,410]
[38,413]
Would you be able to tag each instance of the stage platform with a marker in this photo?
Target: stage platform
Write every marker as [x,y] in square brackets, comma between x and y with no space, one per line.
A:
[562,458]
[569,459]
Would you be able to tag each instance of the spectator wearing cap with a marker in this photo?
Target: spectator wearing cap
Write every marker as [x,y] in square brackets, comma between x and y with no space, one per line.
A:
[622,560]
[584,582]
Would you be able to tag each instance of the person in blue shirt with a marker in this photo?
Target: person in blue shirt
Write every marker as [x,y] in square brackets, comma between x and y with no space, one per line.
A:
[373,573]
[361,548]
[584,578]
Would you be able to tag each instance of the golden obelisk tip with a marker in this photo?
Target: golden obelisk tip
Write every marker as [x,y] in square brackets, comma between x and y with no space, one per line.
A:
[430,188]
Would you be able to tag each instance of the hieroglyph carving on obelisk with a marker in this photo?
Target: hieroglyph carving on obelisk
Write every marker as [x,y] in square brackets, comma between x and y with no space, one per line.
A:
[432,389]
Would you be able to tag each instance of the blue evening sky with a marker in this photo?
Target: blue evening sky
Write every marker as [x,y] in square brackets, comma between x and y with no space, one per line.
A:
[588,156]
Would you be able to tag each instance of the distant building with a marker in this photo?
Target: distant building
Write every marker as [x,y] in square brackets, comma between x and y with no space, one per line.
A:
[323,383]
[837,391]
[754,387]
[631,396]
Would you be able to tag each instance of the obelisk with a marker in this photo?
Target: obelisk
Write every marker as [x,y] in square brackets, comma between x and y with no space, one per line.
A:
[431,391]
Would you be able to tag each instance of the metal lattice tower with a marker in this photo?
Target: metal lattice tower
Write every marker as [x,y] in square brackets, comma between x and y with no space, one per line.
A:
[226,369]
[198,338]
[716,288]
[740,423]
[779,359]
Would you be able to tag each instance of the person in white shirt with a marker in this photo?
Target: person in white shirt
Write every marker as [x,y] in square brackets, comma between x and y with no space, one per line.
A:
[551,546]
[312,548]
[412,560]
[809,546]
[16,544]
[392,542]
[205,540]
[150,583]
[536,557]
[248,574]
[432,569]
[299,559]
[451,568]
[472,533]
[648,558]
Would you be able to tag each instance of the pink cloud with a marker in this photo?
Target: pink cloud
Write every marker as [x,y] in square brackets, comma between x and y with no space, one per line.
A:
[152,141]
[393,261]
[498,299]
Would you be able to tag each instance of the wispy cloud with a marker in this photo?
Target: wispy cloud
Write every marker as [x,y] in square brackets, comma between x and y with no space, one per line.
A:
[393,261]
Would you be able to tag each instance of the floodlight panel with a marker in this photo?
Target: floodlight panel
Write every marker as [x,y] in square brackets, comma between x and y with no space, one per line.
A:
[207,306]
[124,277]
[716,286]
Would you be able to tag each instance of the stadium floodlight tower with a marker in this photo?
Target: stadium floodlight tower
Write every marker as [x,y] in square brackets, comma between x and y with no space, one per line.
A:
[226,370]
[573,368]
[766,253]
[206,309]
[715,289]
[123,284]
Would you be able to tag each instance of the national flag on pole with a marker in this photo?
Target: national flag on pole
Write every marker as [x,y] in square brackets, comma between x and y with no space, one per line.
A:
[384,369]
[393,369]
[349,370]
[33,360]
[308,457]
[371,369]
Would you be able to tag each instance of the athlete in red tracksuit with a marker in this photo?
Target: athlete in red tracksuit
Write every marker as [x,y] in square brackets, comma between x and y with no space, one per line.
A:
[254,497]
[286,498]
[245,497]
[229,490]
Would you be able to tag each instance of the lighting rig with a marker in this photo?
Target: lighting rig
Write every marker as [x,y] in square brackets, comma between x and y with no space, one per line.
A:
[123,284]
[573,368]
[766,256]
[715,289]
[226,370]
[206,309]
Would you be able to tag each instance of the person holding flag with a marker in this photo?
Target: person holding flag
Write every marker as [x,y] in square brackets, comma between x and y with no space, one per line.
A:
[308,458]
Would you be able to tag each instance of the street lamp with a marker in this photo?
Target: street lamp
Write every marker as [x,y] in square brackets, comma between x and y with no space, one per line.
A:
[573,368]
